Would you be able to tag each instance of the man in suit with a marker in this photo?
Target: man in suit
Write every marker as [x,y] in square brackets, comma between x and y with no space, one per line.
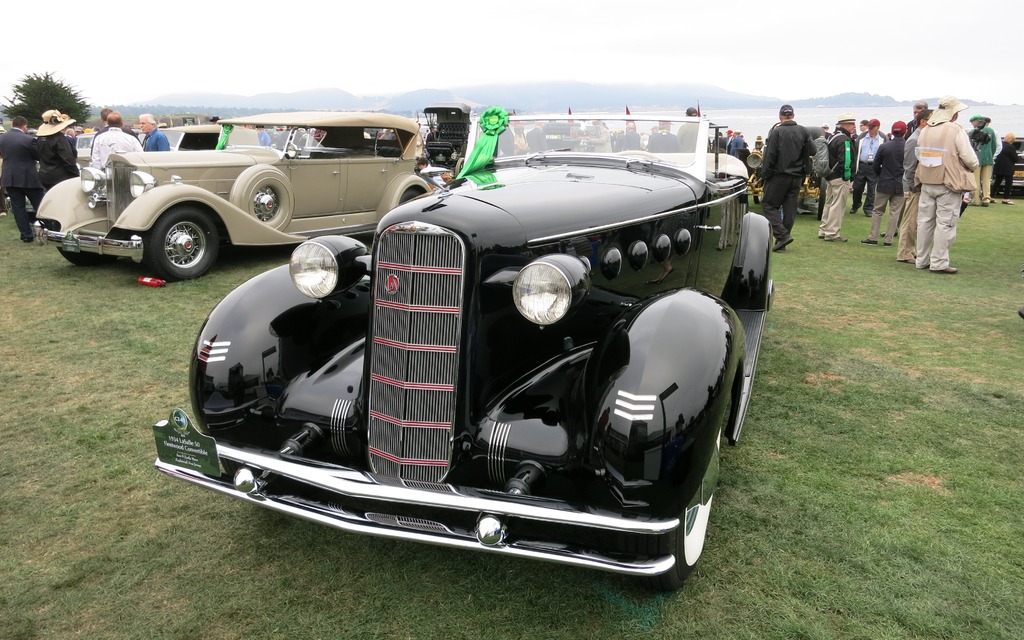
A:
[21,175]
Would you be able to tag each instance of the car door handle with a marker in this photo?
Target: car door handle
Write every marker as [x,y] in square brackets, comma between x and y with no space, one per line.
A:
[335,173]
[707,228]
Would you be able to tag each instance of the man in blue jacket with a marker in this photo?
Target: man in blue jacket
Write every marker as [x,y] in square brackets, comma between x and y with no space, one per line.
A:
[155,139]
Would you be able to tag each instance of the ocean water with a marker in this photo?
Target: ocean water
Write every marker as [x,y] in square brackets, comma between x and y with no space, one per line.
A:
[757,122]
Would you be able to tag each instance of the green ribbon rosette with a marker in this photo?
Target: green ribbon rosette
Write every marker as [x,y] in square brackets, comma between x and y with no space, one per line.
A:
[492,123]
[225,132]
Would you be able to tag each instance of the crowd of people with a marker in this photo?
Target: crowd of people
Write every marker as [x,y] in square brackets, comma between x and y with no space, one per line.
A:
[887,173]
[33,164]
[924,174]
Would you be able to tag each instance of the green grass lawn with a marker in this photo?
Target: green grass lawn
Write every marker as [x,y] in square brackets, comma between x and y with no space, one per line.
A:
[876,492]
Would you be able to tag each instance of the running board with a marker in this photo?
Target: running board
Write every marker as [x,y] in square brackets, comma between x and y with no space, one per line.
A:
[753,328]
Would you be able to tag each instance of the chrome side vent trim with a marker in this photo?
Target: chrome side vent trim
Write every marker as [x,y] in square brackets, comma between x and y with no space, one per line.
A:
[496,451]
[407,523]
[414,359]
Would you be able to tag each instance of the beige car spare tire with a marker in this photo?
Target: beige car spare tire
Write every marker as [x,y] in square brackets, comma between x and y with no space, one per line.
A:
[264,193]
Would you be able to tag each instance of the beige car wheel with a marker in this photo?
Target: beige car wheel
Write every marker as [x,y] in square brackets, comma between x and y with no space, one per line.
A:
[263,193]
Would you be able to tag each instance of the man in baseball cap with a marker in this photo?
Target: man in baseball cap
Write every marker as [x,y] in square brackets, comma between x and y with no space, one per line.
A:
[983,139]
[866,178]
[783,169]
[889,166]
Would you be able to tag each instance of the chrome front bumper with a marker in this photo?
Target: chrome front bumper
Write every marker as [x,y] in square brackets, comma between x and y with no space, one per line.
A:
[492,506]
[89,243]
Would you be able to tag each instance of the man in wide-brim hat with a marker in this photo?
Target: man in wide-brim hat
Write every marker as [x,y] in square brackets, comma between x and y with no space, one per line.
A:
[945,171]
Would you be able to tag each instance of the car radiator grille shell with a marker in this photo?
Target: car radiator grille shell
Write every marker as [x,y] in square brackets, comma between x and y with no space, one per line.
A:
[414,354]
[119,194]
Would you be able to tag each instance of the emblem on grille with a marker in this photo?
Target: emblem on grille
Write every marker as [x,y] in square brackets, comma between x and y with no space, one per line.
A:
[391,284]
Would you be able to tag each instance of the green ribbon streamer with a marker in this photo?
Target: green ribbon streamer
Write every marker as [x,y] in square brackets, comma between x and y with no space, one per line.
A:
[847,164]
[225,132]
[483,179]
[492,122]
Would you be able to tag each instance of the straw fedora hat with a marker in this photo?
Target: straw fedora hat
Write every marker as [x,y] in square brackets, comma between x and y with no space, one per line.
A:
[54,122]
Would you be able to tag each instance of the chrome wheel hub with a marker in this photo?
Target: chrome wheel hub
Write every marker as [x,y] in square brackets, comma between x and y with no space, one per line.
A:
[265,204]
[185,244]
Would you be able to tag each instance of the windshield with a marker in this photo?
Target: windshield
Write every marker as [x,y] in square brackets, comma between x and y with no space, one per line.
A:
[675,139]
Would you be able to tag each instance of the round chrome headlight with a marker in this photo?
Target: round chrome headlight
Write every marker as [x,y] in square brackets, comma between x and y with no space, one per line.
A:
[141,182]
[314,269]
[547,288]
[92,179]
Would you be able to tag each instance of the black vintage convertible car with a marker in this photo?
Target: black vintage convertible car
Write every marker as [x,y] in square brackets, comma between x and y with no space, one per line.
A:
[540,360]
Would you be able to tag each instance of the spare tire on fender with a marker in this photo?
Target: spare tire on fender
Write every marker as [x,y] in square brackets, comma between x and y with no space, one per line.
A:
[265,194]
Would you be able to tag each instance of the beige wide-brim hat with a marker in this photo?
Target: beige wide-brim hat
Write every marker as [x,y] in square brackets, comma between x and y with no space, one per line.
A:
[54,122]
[949,106]
[846,117]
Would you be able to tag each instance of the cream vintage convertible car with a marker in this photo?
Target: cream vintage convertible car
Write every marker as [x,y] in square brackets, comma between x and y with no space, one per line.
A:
[315,173]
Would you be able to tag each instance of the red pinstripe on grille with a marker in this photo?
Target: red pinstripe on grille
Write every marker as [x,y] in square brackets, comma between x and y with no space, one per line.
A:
[413,385]
[409,423]
[415,307]
[412,268]
[414,347]
[408,461]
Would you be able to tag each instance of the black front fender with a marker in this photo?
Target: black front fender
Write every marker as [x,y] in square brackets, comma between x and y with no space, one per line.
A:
[661,382]
[261,336]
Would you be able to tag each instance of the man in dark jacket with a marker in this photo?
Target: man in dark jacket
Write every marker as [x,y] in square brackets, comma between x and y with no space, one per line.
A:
[20,175]
[787,154]
[842,157]
[889,169]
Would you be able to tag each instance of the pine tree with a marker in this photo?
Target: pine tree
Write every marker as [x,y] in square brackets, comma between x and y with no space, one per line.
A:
[36,94]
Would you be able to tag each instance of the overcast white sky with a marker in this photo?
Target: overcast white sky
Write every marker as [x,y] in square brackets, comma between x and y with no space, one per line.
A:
[796,49]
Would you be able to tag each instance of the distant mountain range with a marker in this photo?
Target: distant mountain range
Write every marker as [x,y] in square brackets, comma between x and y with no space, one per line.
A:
[522,98]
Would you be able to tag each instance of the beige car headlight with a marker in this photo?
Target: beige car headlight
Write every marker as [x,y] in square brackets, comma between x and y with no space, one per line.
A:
[141,182]
[548,288]
[93,180]
[327,265]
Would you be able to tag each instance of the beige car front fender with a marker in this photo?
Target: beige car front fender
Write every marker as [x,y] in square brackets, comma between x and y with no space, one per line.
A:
[69,205]
[242,228]
[397,192]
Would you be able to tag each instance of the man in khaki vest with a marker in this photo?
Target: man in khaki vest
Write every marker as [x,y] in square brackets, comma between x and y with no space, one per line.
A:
[945,171]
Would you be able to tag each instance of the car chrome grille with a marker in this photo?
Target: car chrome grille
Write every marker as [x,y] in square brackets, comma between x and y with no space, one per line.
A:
[119,194]
[414,358]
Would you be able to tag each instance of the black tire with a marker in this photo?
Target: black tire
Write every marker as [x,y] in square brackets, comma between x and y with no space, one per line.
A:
[409,194]
[182,244]
[674,578]
[86,259]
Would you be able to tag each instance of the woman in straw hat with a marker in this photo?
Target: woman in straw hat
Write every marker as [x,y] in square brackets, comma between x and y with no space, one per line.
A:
[57,158]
